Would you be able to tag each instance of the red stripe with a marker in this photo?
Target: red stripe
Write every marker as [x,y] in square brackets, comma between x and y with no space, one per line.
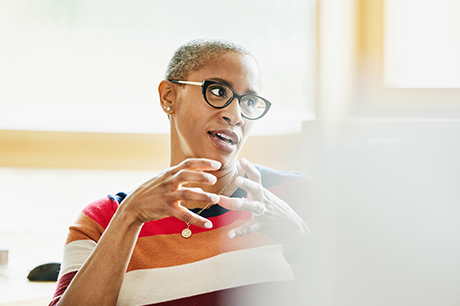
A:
[61,287]
[101,211]
[267,294]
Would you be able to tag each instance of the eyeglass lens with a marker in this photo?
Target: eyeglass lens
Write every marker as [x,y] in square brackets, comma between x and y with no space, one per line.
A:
[251,106]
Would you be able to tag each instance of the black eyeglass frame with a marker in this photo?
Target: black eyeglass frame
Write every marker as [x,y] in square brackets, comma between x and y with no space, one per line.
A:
[206,83]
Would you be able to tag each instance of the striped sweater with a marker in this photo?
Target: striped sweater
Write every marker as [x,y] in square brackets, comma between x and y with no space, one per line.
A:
[206,269]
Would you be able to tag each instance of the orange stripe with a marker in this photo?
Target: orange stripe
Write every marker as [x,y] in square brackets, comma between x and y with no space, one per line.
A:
[84,228]
[156,251]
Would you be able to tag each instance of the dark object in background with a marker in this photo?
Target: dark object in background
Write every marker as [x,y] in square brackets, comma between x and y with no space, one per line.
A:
[45,273]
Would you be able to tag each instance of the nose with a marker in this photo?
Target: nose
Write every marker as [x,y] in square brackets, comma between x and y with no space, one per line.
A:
[232,113]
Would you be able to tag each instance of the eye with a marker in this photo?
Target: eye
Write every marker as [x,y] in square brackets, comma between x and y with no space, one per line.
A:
[218,91]
[252,102]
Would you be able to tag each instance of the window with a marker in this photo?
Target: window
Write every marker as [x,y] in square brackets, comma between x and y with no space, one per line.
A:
[81,66]
[422,44]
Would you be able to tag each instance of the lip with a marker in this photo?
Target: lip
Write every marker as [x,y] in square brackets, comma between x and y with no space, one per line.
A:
[222,144]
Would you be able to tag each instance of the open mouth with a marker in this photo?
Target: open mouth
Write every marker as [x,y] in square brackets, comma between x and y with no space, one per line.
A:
[223,137]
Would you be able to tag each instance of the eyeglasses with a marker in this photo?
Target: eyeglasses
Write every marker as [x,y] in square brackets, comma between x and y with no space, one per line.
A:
[220,95]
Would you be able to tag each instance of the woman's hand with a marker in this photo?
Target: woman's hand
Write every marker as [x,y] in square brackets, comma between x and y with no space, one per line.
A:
[161,196]
[271,215]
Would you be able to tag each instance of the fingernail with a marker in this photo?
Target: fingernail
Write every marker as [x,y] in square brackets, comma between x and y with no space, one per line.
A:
[239,180]
[208,224]
[212,179]
[215,164]
[214,198]
[231,235]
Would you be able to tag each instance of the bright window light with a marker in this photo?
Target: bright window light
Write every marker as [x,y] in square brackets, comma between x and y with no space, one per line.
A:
[422,43]
[94,66]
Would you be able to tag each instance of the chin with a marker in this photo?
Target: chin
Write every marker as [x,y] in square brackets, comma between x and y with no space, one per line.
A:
[225,160]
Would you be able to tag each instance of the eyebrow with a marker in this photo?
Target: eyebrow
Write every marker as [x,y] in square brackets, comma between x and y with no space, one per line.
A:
[248,92]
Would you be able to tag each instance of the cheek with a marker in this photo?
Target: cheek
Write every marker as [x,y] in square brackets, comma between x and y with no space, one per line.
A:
[186,111]
[191,118]
[192,104]
[247,128]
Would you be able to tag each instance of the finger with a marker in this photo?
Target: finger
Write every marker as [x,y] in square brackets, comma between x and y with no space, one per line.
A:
[250,186]
[241,204]
[251,171]
[198,164]
[187,216]
[196,189]
[195,196]
[190,176]
[195,164]
[229,203]
[243,230]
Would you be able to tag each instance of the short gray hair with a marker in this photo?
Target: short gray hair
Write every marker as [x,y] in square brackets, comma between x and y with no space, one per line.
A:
[196,54]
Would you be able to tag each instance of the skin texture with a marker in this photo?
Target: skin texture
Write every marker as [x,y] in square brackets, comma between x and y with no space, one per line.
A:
[198,170]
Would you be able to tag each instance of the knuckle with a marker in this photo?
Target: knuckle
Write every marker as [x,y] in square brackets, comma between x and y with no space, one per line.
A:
[185,216]
[174,169]
[246,204]
[181,174]
[187,163]
[243,204]
[247,230]
[169,185]
[186,193]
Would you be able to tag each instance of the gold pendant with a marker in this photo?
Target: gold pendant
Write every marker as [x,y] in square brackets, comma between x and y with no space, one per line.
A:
[186,233]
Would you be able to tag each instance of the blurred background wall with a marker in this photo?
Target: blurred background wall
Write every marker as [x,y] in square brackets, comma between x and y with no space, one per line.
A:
[385,148]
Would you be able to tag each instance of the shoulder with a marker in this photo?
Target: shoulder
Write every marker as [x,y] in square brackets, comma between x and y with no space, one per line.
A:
[272,177]
[295,188]
[102,210]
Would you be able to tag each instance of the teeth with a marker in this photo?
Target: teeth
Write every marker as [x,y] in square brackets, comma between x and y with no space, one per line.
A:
[225,137]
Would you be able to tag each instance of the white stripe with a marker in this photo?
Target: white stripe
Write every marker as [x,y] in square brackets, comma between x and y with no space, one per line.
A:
[75,255]
[228,270]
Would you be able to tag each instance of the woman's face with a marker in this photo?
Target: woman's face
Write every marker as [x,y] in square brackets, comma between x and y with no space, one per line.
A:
[199,130]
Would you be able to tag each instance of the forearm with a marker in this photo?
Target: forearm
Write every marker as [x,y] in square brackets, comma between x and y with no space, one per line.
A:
[99,280]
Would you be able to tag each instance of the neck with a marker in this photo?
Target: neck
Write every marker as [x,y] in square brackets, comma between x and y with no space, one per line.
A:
[223,177]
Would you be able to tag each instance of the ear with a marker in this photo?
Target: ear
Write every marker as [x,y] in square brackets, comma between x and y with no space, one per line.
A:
[167,92]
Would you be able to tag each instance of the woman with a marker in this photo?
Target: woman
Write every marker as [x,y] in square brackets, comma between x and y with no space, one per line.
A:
[169,241]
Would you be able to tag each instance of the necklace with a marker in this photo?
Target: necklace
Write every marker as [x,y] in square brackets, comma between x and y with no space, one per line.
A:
[186,232]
